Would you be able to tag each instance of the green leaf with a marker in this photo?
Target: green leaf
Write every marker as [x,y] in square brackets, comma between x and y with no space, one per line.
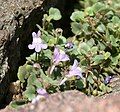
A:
[90,79]
[89,11]
[84,62]
[22,73]
[111,26]
[38,84]
[94,49]
[76,28]
[98,59]
[48,79]
[115,60]
[48,53]
[29,68]
[30,92]
[79,84]
[115,20]
[91,42]
[33,80]
[103,87]
[109,14]
[32,57]
[84,48]
[85,28]
[107,55]
[101,46]
[77,16]
[17,104]
[98,6]
[108,89]
[54,13]
[52,42]
[101,28]
[113,40]
[45,37]
[95,92]
[62,40]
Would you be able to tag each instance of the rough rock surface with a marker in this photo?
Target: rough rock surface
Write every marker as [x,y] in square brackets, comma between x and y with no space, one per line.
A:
[73,101]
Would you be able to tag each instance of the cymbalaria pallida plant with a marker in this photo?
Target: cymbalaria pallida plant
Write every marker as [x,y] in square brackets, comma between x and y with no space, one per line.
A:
[86,61]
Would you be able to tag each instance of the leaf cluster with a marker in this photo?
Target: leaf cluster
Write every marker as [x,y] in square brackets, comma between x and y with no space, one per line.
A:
[96,46]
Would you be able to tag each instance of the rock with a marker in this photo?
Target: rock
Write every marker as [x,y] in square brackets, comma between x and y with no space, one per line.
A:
[72,101]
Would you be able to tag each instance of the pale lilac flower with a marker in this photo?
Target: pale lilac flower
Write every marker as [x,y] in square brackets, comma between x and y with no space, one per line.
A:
[107,79]
[69,45]
[59,55]
[37,42]
[42,92]
[74,71]
[36,99]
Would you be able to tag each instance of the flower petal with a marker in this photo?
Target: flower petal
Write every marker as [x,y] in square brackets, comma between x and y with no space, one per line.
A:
[31,46]
[75,72]
[41,91]
[69,45]
[38,48]
[75,64]
[39,34]
[56,54]
[34,35]
[64,57]
[107,79]
[36,99]
[37,40]
[44,46]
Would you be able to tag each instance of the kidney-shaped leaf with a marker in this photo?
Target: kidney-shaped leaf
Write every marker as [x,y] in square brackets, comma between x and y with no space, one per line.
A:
[54,13]
[77,16]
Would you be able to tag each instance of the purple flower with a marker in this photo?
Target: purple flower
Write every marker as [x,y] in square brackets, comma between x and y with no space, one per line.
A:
[42,92]
[74,71]
[69,45]
[36,99]
[107,79]
[59,55]
[37,42]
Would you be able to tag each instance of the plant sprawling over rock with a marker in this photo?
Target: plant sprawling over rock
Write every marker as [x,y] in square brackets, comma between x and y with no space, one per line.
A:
[86,61]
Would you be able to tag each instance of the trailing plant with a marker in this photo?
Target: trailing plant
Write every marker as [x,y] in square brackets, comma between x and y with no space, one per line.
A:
[86,61]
